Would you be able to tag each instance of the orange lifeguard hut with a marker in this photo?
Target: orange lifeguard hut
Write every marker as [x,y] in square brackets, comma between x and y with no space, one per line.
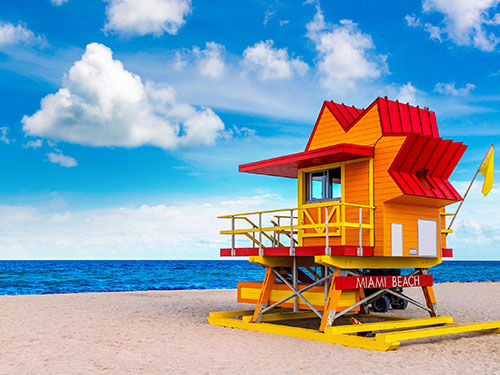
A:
[372,188]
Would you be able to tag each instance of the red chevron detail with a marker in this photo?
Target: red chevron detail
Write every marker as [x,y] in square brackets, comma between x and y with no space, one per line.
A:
[424,164]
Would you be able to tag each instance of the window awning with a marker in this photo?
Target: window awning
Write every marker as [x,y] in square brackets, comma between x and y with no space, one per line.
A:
[287,166]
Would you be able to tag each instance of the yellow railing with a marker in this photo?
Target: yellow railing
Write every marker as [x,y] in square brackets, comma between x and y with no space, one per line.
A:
[328,223]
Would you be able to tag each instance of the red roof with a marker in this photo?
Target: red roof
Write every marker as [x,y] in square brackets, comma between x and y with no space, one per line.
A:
[395,118]
[287,166]
[424,164]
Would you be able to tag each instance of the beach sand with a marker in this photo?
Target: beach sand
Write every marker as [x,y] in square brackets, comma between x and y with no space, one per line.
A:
[167,333]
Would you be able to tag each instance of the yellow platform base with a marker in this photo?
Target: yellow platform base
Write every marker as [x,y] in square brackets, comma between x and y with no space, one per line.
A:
[388,334]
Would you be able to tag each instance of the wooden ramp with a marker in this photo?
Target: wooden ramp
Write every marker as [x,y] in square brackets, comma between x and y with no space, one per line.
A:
[382,335]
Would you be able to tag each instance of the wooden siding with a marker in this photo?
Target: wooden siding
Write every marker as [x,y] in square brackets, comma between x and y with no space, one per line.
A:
[329,132]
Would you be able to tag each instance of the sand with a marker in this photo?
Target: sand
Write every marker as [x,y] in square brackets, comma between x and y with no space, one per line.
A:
[167,333]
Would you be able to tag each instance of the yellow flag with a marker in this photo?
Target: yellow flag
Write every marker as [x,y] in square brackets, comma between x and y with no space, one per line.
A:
[486,169]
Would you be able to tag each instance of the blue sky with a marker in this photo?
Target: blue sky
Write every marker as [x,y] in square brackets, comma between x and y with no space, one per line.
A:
[123,122]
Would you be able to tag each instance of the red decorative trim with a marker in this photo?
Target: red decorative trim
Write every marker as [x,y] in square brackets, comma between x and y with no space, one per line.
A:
[339,250]
[447,253]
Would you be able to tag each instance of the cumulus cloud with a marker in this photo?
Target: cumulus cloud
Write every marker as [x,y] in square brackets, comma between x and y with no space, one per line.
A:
[211,60]
[58,2]
[102,104]
[450,89]
[466,23]
[62,160]
[345,54]
[132,17]
[272,63]
[11,34]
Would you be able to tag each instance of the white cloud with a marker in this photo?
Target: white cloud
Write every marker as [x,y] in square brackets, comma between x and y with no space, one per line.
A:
[102,104]
[61,159]
[3,134]
[477,227]
[272,63]
[211,60]
[284,22]
[34,144]
[415,22]
[465,21]
[188,230]
[345,54]
[450,89]
[133,17]
[408,94]
[11,34]
[58,2]
[270,12]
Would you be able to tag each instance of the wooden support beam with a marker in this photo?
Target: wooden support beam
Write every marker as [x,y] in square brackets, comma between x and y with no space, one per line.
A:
[332,302]
[430,299]
[265,293]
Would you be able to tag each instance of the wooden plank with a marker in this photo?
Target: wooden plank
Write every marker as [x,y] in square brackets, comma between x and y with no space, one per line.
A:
[282,316]
[381,326]
[309,334]
[431,332]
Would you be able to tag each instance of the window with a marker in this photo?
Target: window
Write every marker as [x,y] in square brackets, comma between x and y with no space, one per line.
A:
[323,185]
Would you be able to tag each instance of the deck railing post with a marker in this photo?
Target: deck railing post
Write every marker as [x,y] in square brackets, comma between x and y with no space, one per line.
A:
[233,251]
[360,248]
[292,249]
[327,237]
[261,250]
[279,226]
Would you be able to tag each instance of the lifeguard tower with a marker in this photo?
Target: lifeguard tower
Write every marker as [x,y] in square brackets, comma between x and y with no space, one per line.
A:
[370,220]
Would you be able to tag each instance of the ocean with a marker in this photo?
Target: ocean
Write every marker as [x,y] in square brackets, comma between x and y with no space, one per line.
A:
[82,276]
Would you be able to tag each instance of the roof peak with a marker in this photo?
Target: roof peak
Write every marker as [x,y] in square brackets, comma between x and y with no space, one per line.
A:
[395,117]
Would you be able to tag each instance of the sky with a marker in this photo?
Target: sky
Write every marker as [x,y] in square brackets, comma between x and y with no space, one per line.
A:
[123,122]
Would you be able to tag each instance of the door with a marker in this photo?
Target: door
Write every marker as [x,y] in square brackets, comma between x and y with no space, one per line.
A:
[427,238]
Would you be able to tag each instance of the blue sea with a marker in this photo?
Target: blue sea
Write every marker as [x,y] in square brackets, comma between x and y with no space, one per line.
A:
[80,276]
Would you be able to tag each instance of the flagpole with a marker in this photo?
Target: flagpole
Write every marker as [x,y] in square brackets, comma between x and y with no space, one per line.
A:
[467,192]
